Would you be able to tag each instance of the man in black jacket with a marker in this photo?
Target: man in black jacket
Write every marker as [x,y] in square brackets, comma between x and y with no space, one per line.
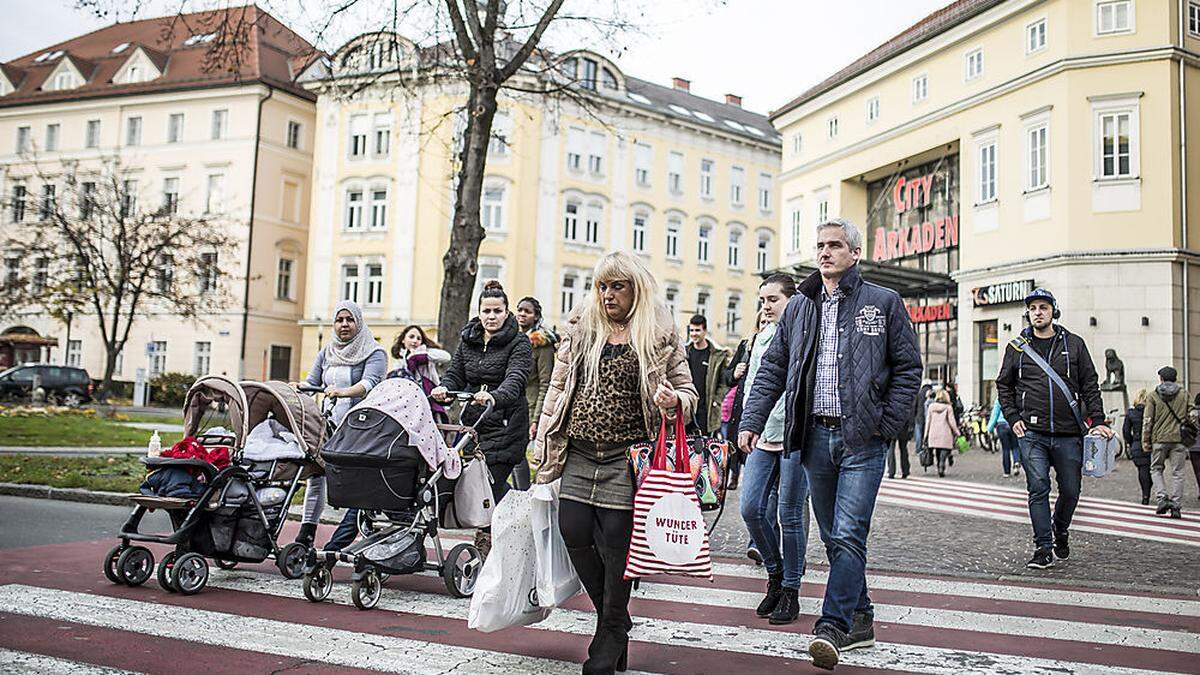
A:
[1048,422]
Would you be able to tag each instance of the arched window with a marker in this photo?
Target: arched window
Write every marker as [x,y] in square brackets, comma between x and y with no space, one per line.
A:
[641,222]
[493,207]
[735,249]
[733,312]
[354,209]
[379,197]
[674,224]
[762,254]
[595,214]
[571,221]
[704,235]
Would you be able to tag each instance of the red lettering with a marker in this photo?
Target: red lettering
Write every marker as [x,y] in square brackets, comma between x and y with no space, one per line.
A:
[952,231]
[878,252]
[927,187]
[926,237]
[939,234]
[893,240]
[898,195]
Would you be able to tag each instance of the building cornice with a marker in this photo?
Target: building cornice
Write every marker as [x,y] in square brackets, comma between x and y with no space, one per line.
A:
[1077,258]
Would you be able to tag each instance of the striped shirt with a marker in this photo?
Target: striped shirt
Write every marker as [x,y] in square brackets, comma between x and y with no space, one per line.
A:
[826,401]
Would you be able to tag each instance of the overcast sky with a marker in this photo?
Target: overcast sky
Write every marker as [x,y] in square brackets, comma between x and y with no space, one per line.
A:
[768,51]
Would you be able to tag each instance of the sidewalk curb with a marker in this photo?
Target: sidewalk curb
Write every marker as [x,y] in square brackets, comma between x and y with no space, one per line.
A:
[64,494]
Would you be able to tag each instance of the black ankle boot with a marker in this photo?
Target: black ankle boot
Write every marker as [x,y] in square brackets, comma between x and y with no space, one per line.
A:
[788,608]
[774,590]
[308,532]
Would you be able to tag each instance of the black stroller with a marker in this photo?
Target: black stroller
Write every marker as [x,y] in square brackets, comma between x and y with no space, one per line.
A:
[372,466]
[227,521]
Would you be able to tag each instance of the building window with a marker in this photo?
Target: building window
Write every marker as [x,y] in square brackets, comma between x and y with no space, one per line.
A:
[133,131]
[158,357]
[706,178]
[379,197]
[20,194]
[382,135]
[41,275]
[675,173]
[350,282]
[567,297]
[974,65]
[74,353]
[987,172]
[129,198]
[87,200]
[832,127]
[1194,18]
[12,271]
[202,362]
[354,209]
[735,250]
[52,137]
[220,124]
[571,221]
[737,184]
[281,362]
[588,78]
[1114,16]
[673,227]
[643,162]
[920,88]
[166,272]
[374,284]
[764,192]
[358,136]
[283,279]
[493,208]
[797,144]
[49,201]
[170,195]
[797,223]
[823,211]
[762,254]
[704,234]
[63,80]
[501,133]
[208,272]
[1037,146]
[872,109]
[599,145]
[215,195]
[24,139]
[1116,149]
[639,232]
[1035,36]
[91,138]
[175,128]
[672,298]
[595,214]
[733,312]
[293,135]
[576,139]
[702,297]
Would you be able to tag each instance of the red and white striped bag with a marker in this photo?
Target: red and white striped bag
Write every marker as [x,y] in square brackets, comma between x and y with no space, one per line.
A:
[669,535]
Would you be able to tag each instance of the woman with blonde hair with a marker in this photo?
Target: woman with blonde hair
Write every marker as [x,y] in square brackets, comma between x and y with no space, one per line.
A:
[619,367]
[1131,430]
[941,428]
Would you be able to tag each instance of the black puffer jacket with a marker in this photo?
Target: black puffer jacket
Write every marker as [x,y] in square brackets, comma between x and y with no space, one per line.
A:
[1027,394]
[1132,432]
[502,365]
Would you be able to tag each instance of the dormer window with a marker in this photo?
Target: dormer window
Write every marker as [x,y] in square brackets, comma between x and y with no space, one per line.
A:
[587,79]
[608,79]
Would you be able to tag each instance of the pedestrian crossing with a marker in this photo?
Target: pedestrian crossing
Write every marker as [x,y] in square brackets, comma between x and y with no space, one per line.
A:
[1010,504]
[58,615]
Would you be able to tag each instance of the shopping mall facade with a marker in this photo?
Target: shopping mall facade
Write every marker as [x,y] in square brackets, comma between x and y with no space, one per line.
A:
[999,145]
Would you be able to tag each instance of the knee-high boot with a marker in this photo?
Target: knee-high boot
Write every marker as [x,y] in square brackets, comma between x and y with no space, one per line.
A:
[589,565]
[610,647]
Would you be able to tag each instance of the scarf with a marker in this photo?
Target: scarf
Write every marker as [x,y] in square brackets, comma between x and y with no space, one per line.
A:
[355,350]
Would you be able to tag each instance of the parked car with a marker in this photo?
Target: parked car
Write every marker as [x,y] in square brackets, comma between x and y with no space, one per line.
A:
[64,385]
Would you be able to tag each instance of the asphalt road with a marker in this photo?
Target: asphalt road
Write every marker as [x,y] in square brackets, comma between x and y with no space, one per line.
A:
[33,522]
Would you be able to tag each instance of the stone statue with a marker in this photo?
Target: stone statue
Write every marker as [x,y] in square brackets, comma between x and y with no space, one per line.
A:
[1114,379]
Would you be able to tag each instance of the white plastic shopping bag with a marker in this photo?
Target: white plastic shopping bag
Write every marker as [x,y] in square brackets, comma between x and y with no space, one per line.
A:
[556,579]
[1099,455]
[505,594]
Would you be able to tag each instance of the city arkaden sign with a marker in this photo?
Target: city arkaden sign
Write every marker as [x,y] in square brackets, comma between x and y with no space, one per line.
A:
[1005,293]
[937,232]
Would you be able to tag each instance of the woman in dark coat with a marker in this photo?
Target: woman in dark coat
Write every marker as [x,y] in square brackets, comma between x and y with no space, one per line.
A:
[493,360]
[1132,433]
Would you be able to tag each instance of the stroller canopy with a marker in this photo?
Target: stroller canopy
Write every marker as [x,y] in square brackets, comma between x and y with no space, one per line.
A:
[299,413]
[404,401]
[212,389]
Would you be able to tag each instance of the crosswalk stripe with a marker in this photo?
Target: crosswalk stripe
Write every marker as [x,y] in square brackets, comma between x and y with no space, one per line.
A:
[1018,489]
[321,644]
[739,639]
[24,662]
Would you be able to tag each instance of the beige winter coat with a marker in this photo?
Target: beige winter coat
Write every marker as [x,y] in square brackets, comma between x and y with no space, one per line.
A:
[940,427]
[550,447]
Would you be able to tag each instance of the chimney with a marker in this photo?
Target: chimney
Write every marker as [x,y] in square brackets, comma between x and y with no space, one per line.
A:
[733,99]
[681,84]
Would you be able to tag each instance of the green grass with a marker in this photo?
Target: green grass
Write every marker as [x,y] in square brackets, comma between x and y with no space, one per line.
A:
[114,473]
[75,430]
[153,419]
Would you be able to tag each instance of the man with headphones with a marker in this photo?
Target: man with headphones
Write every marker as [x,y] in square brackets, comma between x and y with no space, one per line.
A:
[1049,391]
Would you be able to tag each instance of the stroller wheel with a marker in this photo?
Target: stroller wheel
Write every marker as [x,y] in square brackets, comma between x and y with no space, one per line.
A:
[110,564]
[291,560]
[461,570]
[135,565]
[226,564]
[164,571]
[366,591]
[190,573]
[318,583]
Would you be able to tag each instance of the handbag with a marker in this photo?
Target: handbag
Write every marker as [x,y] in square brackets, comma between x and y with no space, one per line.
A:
[1187,430]
[472,504]
[669,536]
[707,460]
[1099,456]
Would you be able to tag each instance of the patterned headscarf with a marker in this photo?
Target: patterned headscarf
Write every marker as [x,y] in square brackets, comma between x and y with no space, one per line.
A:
[355,350]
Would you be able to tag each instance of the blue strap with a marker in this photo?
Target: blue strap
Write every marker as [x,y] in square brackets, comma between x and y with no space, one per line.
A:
[1019,344]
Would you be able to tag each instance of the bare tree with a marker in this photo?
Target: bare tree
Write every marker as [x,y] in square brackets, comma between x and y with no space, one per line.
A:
[87,247]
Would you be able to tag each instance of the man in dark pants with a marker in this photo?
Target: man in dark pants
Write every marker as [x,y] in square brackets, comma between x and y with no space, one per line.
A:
[1046,420]
[707,362]
[846,359]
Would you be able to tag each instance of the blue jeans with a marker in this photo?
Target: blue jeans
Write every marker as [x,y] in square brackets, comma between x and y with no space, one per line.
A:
[776,525]
[1039,452]
[345,533]
[844,482]
[1010,452]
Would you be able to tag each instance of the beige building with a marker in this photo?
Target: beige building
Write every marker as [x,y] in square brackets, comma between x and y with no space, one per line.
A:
[999,145]
[233,137]
[686,182]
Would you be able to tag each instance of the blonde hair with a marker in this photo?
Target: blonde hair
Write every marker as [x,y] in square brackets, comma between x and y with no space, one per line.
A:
[942,396]
[1140,399]
[594,326]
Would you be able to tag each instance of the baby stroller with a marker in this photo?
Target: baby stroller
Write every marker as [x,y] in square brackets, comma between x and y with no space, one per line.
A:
[228,520]
[382,467]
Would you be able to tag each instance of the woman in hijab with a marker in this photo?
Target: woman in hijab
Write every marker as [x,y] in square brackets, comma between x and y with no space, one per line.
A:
[348,367]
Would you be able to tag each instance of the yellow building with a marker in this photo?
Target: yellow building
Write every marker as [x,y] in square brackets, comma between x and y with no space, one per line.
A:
[193,131]
[999,145]
[687,182]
